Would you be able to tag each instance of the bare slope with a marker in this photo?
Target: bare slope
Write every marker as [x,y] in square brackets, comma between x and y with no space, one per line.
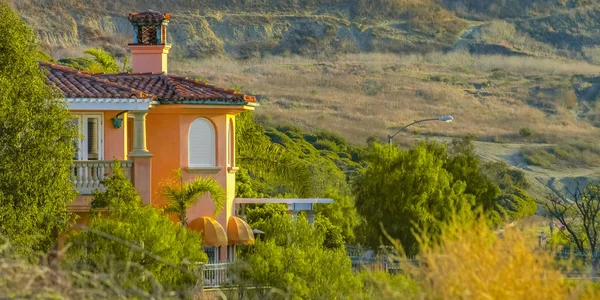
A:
[243,29]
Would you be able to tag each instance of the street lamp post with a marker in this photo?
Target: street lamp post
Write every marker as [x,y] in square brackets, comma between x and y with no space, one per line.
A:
[443,119]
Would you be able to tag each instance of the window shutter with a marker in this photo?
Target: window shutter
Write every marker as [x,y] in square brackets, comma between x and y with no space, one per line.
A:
[92,138]
[201,143]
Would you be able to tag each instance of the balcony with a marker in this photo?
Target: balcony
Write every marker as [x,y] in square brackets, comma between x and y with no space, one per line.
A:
[215,275]
[87,175]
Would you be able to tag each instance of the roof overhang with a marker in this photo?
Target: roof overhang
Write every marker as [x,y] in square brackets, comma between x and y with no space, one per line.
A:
[108,103]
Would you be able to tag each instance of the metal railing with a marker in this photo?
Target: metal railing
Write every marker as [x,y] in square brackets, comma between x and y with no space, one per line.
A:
[215,275]
[87,175]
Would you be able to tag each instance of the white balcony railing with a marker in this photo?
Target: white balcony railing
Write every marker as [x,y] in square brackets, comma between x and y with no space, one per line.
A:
[215,275]
[87,175]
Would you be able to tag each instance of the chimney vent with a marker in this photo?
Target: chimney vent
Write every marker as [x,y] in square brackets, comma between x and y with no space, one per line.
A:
[149,49]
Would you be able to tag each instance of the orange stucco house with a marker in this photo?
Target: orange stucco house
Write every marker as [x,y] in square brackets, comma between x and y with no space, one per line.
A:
[154,122]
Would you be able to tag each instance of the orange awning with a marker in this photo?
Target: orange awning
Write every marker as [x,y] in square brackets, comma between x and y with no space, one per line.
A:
[212,232]
[239,232]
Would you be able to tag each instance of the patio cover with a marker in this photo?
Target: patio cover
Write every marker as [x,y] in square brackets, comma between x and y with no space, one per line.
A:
[212,232]
[239,232]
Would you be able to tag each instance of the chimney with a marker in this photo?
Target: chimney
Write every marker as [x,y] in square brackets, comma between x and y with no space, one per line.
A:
[149,49]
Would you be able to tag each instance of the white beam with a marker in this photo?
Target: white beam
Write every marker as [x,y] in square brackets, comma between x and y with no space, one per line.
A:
[282,200]
[108,104]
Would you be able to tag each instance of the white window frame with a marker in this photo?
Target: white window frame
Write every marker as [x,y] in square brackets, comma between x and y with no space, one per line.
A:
[213,157]
[82,145]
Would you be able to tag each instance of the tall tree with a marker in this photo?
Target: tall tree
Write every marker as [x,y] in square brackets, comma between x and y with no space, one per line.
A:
[579,213]
[401,191]
[35,143]
[181,195]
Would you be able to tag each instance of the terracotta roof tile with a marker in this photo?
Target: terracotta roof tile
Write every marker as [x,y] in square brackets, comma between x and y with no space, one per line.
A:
[165,88]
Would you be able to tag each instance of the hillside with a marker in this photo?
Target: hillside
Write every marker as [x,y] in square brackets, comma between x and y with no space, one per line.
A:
[522,73]
[536,114]
[325,28]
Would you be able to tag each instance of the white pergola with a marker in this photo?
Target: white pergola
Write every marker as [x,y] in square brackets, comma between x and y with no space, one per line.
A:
[294,205]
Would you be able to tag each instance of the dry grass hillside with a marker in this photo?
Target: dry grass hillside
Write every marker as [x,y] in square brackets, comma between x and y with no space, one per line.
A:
[533,113]
[492,97]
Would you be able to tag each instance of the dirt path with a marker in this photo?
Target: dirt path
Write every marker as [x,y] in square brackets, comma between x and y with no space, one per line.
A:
[467,36]
[542,180]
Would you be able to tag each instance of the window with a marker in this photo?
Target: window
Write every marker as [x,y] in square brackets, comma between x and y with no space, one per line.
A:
[230,144]
[213,254]
[201,144]
[90,144]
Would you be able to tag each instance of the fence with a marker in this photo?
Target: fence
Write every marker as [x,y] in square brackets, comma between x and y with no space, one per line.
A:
[215,275]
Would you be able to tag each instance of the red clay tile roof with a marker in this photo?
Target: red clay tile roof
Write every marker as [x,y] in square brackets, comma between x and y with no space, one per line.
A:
[165,88]
[148,16]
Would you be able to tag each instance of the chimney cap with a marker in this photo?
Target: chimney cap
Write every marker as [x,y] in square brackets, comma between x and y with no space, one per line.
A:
[149,16]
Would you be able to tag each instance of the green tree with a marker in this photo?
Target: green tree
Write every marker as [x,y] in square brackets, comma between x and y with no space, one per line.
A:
[341,213]
[136,244]
[35,144]
[268,162]
[292,259]
[404,190]
[464,166]
[181,195]
[515,202]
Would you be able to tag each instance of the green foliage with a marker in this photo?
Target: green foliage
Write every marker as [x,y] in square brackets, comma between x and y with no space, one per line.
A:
[118,195]
[405,190]
[103,61]
[564,154]
[293,259]
[333,234]
[99,62]
[137,244]
[515,202]
[79,63]
[341,213]
[383,285]
[35,144]
[525,132]
[267,162]
[259,214]
[464,165]
[181,195]
[285,160]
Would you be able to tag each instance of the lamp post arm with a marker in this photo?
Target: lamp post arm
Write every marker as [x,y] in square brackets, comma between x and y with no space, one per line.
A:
[390,137]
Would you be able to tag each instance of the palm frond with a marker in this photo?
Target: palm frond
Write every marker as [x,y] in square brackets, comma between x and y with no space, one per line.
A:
[104,59]
[193,190]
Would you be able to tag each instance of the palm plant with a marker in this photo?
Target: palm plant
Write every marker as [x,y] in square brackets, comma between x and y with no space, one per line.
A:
[181,195]
[103,61]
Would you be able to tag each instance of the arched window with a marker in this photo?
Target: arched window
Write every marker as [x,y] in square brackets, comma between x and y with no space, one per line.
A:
[201,144]
[231,143]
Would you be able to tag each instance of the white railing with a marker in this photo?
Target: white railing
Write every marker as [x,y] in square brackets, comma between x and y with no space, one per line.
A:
[215,275]
[87,175]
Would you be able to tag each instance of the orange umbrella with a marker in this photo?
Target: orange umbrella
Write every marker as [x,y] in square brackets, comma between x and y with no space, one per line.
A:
[239,232]
[212,232]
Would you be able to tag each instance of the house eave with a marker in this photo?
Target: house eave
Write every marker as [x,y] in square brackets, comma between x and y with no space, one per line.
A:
[108,103]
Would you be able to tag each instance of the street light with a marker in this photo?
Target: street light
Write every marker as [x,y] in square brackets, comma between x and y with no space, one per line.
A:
[442,118]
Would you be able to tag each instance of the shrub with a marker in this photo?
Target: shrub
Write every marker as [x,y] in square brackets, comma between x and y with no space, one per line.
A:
[326,145]
[525,132]
[137,244]
[473,260]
